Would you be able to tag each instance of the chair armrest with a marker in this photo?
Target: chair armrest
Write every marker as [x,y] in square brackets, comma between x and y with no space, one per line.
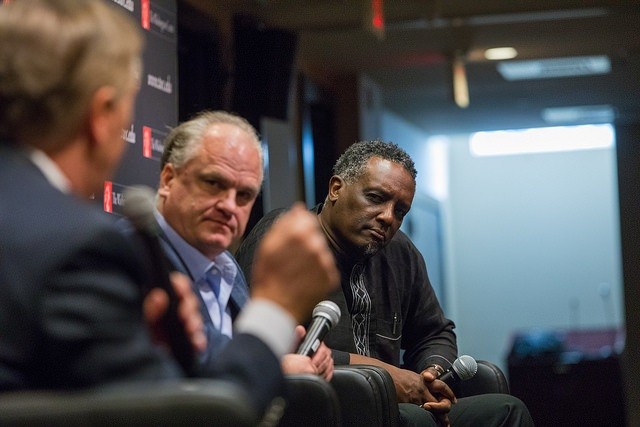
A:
[311,402]
[187,402]
[488,379]
[367,396]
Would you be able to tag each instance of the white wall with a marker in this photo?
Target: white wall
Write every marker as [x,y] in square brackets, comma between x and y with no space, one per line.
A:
[536,242]
[529,240]
[413,141]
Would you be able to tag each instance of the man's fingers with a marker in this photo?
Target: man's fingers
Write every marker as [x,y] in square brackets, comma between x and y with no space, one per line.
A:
[154,305]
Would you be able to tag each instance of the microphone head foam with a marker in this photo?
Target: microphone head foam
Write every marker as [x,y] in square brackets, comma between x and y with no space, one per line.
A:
[329,310]
[138,206]
[465,367]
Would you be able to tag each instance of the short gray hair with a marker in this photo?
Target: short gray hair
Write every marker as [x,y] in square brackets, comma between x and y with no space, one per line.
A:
[183,141]
[351,164]
[54,55]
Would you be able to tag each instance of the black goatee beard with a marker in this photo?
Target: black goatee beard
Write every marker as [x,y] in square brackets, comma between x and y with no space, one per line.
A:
[370,249]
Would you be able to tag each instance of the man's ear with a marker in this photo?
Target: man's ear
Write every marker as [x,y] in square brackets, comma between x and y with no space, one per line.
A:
[167,175]
[101,110]
[335,185]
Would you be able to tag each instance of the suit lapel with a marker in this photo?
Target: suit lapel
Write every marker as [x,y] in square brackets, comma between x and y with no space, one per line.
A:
[239,293]
[178,263]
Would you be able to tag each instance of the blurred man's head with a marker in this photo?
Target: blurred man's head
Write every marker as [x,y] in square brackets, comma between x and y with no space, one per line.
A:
[212,170]
[69,72]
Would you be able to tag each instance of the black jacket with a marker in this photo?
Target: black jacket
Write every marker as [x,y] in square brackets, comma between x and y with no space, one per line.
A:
[405,312]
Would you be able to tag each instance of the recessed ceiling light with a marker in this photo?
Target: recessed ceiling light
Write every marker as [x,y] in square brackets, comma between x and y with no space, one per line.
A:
[500,53]
[554,67]
[542,140]
[579,114]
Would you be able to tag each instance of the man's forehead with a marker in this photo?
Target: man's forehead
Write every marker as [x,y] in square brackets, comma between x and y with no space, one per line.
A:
[378,167]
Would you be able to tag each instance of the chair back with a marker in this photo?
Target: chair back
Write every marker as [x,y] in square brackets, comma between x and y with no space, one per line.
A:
[311,402]
[488,379]
[367,396]
[185,402]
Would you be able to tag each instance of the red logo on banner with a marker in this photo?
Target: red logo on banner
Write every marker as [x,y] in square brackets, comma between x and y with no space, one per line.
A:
[145,10]
[107,199]
[147,137]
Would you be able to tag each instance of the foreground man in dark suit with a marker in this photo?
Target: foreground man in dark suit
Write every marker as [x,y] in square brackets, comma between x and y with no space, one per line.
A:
[71,302]
[386,300]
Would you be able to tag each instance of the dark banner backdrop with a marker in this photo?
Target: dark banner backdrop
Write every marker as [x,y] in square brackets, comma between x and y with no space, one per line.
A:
[156,109]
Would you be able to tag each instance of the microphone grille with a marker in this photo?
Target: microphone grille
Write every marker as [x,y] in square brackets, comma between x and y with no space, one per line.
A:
[465,366]
[329,310]
[138,206]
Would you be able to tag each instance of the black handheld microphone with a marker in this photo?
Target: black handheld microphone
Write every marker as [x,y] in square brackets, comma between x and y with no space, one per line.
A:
[326,315]
[462,369]
[138,207]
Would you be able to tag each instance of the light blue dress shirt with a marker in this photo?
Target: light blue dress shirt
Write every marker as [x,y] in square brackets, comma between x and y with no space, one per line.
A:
[198,267]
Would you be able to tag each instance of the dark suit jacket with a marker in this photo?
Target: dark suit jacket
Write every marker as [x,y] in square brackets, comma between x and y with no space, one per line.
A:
[216,341]
[70,299]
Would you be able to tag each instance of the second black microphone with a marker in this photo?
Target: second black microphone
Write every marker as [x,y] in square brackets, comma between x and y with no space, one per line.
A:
[326,315]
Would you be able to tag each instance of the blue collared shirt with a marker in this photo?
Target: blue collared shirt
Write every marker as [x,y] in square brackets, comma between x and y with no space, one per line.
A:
[197,266]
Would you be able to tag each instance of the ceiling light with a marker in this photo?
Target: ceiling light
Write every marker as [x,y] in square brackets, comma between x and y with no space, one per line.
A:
[542,140]
[460,84]
[555,67]
[580,114]
[500,53]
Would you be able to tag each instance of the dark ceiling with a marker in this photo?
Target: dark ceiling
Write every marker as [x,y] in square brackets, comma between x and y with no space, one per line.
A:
[411,61]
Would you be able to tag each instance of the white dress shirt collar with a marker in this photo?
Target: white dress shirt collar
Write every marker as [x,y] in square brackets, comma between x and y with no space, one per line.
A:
[50,170]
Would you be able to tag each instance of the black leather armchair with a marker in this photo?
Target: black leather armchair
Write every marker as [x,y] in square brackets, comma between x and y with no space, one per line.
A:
[364,395]
[488,379]
[367,396]
[358,395]
[189,402]
[312,402]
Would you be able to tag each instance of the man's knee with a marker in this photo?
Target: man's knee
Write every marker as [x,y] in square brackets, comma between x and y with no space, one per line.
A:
[491,410]
[516,412]
[414,416]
